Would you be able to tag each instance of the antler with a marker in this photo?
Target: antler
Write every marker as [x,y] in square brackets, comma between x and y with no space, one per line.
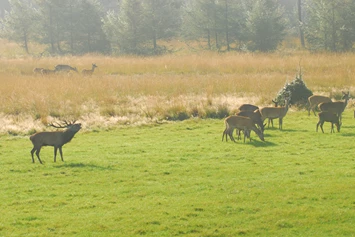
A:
[64,125]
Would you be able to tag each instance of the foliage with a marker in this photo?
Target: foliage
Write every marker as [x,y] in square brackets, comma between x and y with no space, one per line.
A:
[330,25]
[265,25]
[298,91]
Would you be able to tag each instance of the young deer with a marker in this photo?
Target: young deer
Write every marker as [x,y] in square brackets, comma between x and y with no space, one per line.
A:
[248,107]
[336,107]
[275,112]
[37,70]
[89,72]
[315,100]
[56,139]
[240,122]
[255,116]
[65,68]
[328,117]
[47,71]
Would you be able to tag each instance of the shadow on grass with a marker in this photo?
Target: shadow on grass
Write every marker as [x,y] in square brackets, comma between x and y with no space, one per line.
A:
[258,143]
[82,165]
[347,134]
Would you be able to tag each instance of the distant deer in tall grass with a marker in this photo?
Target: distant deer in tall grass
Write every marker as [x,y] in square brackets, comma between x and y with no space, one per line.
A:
[37,70]
[45,71]
[89,72]
[328,117]
[65,68]
[56,139]
[314,101]
[336,107]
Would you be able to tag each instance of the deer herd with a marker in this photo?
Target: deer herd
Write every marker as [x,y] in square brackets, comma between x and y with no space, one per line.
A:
[63,68]
[251,117]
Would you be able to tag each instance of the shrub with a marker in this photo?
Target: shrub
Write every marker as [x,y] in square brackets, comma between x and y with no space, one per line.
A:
[298,91]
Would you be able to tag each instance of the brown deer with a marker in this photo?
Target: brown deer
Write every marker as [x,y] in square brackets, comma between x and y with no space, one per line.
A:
[56,139]
[47,71]
[240,122]
[37,70]
[336,107]
[275,112]
[314,101]
[248,107]
[89,72]
[65,68]
[255,116]
[326,116]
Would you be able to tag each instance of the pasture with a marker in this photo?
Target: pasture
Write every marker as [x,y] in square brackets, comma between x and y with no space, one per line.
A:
[180,179]
[133,170]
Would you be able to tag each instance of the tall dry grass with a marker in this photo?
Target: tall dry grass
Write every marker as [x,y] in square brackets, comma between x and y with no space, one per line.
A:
[146,89]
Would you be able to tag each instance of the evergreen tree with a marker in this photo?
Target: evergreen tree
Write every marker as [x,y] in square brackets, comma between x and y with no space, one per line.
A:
[330,24]
[18,24]
[265,25]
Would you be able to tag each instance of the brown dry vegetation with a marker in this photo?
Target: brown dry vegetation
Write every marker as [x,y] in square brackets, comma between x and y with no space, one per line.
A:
[136,90]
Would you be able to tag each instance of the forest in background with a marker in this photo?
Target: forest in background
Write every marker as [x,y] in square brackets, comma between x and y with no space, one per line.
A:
[78,27]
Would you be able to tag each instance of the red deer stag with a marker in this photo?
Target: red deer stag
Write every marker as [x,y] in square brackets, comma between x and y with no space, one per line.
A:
[314,101]
[242,123]
[89,72]
[336,107]
[65,68]
[328,117]
[56,139]
[275,112]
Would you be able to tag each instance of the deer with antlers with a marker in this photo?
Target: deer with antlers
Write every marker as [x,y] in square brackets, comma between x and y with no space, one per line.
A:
[56,139]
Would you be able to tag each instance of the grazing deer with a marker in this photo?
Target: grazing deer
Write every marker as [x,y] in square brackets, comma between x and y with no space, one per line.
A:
[56,139]
[336,107]
[255,116]
[248,107]
[65,68]
[315,100]
[37,70]
[240,122]
[89,72]
[275,112]
[47,71]
[328,117]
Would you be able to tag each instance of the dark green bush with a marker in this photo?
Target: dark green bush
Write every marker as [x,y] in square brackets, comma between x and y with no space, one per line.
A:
[298,91]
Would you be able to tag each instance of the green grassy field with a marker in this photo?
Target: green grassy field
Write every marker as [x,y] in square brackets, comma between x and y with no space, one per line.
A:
[180,179]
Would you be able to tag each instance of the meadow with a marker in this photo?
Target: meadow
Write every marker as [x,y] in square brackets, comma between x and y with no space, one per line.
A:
[180,179]
[150,161]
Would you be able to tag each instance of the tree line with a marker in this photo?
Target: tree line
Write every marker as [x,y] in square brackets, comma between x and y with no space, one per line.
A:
[142,27]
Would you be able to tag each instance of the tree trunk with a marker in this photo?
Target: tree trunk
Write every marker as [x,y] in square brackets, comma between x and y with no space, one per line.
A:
[300,22]
[227,28]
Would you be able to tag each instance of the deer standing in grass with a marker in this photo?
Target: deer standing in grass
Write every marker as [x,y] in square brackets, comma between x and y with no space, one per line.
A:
[336,107]
[328,117]
[65,68]
[89,72]
[275,112]
[56,139]
[239,122]
[314,101]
